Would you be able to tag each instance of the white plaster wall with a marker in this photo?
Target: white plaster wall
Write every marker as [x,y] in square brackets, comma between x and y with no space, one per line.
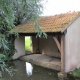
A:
[20,47]
[72,46]
[46,46]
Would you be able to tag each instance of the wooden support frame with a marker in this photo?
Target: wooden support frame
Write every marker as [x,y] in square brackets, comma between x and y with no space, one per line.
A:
[61,49]
[57,43]
[62,54]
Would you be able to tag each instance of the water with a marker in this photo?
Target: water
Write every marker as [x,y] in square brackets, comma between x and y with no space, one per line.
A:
[39,73]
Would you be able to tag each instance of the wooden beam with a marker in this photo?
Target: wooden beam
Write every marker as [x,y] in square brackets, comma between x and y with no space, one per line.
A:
[57,43]
[62,55]
[61,49]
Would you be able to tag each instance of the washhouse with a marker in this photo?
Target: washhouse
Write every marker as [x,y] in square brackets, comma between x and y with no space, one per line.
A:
[60,50]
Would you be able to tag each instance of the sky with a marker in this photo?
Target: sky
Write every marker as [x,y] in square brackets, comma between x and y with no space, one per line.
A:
[53,7]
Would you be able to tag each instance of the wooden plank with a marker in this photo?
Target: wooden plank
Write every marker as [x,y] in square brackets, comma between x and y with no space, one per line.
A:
[57,43]
[62,54]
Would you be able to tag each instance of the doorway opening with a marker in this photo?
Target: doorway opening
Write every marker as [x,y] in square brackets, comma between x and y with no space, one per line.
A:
[28,45]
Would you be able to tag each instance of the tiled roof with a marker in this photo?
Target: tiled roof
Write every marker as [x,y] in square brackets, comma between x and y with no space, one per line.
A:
[48,23]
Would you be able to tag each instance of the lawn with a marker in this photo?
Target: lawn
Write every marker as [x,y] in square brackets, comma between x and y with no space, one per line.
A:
[27,43]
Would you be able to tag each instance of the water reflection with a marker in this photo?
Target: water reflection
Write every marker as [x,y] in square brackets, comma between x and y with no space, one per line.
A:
[39,73]
[29,69]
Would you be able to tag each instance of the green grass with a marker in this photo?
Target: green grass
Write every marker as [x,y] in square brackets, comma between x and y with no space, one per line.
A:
[27,43]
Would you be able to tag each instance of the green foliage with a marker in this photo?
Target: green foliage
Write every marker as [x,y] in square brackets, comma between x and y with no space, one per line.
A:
[39,31]
[6,24]
[29,10]
[27,43]
[76,72]
[26,10]
[13,13]
[4,66]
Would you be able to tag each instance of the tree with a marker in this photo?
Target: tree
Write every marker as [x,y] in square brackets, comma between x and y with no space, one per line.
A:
[12,13]
[26,9]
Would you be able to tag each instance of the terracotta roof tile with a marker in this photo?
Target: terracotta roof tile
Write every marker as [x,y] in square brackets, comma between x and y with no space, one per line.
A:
[48,23]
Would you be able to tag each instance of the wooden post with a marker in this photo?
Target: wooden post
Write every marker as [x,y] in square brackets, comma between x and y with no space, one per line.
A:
[62,55]
[61,49]
[62,75]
